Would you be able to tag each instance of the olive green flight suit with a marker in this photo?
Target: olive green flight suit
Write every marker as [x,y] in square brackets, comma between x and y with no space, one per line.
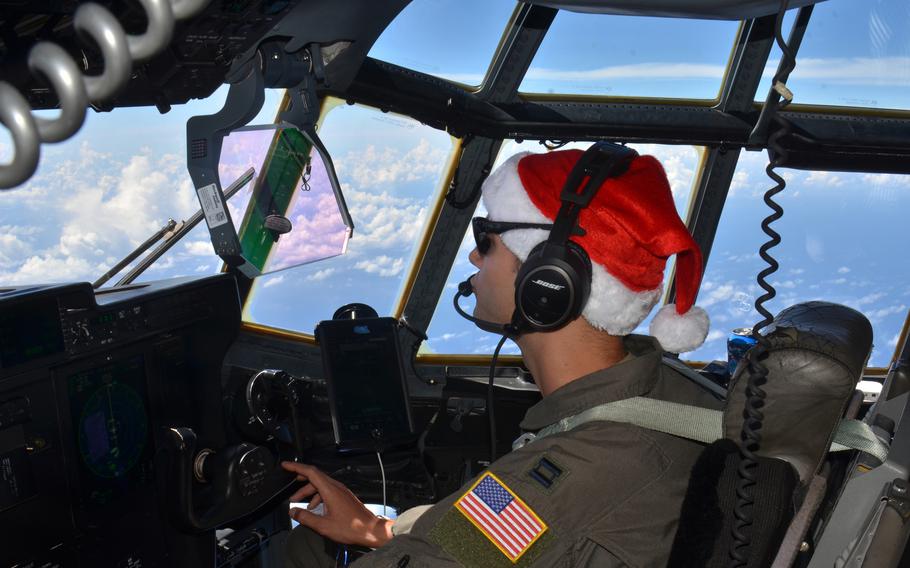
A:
[608,493]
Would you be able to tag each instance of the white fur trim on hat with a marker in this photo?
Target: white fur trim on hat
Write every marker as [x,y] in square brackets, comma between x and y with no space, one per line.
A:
[614,308]
[611,307]
[680,333]
[505,197]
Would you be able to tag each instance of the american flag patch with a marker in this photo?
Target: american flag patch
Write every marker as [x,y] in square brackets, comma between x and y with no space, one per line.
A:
[499,514]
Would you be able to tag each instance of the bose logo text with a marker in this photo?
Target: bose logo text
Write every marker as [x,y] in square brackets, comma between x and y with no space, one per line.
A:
[549,285]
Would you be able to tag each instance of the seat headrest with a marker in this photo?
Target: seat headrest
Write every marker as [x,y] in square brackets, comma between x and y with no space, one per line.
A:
[817,354]
[837,331]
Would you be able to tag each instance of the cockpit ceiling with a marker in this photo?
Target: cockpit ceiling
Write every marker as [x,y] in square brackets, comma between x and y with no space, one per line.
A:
[203,49]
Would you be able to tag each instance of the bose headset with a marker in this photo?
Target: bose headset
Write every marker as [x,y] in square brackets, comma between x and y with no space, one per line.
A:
[554,282]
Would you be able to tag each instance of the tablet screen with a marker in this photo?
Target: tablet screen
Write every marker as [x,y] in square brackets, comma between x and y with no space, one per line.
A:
[366,385]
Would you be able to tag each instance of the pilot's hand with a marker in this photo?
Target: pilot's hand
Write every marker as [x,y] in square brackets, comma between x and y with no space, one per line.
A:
[345,520]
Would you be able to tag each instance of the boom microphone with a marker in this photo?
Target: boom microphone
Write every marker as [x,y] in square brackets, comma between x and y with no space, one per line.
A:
[465,289]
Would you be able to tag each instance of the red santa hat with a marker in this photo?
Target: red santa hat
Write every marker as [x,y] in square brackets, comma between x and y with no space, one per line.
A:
[631,229]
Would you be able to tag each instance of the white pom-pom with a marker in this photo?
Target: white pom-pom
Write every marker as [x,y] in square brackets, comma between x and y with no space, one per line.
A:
[680,333]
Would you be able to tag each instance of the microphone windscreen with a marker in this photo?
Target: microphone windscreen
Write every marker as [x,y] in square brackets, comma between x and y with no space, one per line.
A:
[465,288]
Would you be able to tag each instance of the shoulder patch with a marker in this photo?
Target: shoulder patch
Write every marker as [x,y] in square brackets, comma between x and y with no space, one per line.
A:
[501,516]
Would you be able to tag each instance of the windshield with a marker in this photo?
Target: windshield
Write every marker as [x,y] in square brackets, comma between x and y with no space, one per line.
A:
[101,193]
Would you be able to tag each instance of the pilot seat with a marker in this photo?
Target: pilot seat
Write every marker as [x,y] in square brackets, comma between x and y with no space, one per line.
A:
[817,354]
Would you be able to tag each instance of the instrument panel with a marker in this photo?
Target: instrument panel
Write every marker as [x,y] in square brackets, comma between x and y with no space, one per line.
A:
[90,384]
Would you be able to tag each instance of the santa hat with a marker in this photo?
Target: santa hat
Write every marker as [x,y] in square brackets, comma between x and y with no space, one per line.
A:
[631,228]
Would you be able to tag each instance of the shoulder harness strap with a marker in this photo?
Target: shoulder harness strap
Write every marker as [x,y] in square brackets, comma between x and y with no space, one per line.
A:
[694,423]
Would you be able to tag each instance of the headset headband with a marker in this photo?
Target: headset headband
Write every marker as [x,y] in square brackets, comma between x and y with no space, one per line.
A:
[603,160]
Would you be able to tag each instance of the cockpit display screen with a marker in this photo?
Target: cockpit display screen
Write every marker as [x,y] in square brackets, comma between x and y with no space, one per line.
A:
[109,413]
[365,382]
[29,332]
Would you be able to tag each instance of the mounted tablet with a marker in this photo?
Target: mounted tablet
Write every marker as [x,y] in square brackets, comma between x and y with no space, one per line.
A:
[367,391]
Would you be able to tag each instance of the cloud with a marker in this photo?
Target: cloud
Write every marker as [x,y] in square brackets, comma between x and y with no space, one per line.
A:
[382,265]
[104,207]
[377,168]
[885,312]
[274,281]
[50,268]
[12,246]
[199,248]
[886,180]
[823,178]
[450,336]
[635,71]
[719,294]
[862,71]
[739,182]
[843,270]
[714,335]
[893,341]
[869,299]
[745,257]
[815,248]
[887,188]
[320,275]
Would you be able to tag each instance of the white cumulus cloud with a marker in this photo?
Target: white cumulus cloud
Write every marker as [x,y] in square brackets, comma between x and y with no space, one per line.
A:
[95,208]
[320,275]
[382,265]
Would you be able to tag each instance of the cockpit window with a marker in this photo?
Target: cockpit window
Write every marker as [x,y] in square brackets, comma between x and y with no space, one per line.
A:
[608,55]
[451,39]
[449,333]
[843,241]
[390,168]
[98,195]
[854,54]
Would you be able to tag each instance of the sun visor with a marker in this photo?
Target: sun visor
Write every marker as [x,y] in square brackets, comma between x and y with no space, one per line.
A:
[292,213]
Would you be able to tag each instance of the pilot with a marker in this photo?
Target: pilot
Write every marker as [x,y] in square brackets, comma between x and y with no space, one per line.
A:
[603,493]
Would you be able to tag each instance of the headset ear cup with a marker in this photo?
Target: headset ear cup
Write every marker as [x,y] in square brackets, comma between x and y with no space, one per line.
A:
[585,274]
[551,287]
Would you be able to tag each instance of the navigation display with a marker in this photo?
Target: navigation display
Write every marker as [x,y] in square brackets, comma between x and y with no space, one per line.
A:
[109,412]
[365,382]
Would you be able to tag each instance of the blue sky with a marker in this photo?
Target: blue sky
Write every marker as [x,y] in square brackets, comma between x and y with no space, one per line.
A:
[123,175]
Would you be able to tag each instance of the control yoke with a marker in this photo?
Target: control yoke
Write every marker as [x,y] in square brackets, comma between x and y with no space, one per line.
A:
[213,488]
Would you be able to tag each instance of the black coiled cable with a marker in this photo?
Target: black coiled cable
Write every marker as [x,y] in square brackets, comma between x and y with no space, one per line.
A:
[750,436]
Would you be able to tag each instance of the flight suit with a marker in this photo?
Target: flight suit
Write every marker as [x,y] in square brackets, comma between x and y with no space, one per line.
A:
[603,494]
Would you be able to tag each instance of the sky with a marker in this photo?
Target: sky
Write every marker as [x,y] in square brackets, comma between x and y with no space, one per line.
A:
[98,195]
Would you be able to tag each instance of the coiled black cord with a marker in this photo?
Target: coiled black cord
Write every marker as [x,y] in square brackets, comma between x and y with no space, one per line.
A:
[750,436]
